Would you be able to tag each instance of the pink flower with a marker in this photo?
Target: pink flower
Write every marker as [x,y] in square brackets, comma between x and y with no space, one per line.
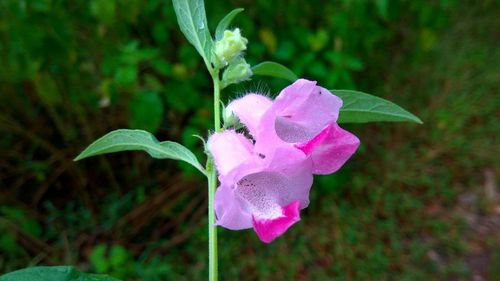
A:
[264,184]
[261,191]
[304,116]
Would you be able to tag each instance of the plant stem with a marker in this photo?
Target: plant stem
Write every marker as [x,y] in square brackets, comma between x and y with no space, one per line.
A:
[215,78]
[212,228]
[212,184]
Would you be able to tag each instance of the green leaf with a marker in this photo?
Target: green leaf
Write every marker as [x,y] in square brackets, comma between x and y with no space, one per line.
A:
[362,108]
[53,273]
[274,69]
[146,111]
[98,258]
[382,8]
[224,23]
[103,10]
[126,75]
[192,20]
[125,140]
[46,89]
[118,256]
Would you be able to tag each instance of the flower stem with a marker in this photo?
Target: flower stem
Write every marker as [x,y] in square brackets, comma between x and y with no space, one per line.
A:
[217,84]
[212,184]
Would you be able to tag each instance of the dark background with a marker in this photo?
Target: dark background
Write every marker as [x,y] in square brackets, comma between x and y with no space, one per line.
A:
[416,202]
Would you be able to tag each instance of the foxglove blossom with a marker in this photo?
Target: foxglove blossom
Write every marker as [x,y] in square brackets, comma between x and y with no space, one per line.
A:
[265,182]
[265,192]
[304,116]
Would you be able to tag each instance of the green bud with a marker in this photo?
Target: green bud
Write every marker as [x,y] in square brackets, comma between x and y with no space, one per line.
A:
[229,47]
[239,70]
[230,119]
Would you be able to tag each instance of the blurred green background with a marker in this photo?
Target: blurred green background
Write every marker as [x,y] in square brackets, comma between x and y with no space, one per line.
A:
[416,202]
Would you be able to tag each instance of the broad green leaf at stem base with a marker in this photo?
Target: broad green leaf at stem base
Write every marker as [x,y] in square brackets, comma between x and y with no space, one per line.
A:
[125,139]
[53,273]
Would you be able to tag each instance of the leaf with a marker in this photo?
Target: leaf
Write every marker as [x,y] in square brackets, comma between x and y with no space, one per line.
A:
[46,89]
[125,140]
[146,111]
[98,258]
[382,8]
[362,108]
[224,23]
[126,75]
[274,69]
[192,20]
[53,273]
[103,10]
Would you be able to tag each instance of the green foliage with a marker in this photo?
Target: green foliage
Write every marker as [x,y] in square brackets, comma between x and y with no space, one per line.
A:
[225,22]
[103,10]
[273,69]
[118,262]
[69,75]
[146,110]
[12,220]
[22,220]
[193,23]
[124,140]
[359,107]
[55,273]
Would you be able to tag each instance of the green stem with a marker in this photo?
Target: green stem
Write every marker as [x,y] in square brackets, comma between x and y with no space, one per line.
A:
[215,78]
[212,229]
[212,184]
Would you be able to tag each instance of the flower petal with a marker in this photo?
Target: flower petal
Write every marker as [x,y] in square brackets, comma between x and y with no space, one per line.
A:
[250,109]
[302,115]
[300,112]
[330,149]
[292,96]
[297,168]
[270,229]
[228,211]
[229,150]
[260,188]
[295,95]
[274,199]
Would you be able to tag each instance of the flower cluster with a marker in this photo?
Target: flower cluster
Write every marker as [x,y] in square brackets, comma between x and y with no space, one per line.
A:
[265,180]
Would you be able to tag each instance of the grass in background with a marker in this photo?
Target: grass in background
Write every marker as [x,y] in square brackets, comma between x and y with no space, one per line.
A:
[416,202]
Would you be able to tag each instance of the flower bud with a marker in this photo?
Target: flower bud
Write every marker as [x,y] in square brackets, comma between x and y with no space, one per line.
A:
[229,47]
[229,117]
[239,70]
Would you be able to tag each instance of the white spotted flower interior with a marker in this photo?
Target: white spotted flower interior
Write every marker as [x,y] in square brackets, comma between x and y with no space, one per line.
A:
[264,183]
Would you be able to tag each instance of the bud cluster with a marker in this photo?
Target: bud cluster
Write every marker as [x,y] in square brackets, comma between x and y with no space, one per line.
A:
[228,54]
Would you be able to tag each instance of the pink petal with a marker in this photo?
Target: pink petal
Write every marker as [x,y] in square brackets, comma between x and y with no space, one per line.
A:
[270,229]
[229,150]
[330,149]
[250,109]
[228,211]
[300,112]
[297,168]
[295,95]
[302,115]
[260,185]
[286,157]
[289,99]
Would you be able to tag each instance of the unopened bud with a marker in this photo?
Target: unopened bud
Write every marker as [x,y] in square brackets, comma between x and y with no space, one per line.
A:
[229,117]
[239,70]
[229,47]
